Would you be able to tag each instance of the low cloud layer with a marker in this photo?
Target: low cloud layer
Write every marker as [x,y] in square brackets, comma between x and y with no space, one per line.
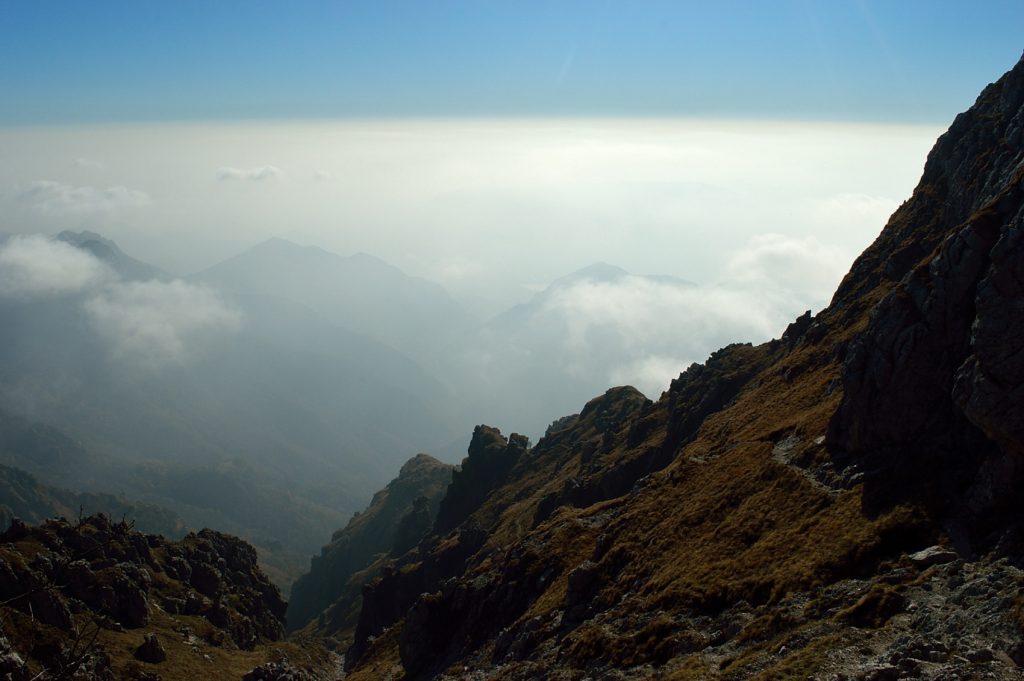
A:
[33,266]
[152,323]
[658,196]
[256,174]
[60,198]
[787,270]
[158,322]
[644,331]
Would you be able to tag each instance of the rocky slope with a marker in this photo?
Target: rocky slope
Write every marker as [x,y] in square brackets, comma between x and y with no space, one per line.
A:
[96,600]
[839,503]
[397,518]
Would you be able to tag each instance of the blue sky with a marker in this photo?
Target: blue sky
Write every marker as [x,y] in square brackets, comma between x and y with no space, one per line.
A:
[103,61]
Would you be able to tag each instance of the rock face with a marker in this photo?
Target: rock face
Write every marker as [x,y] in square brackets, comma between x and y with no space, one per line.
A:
[839,503]
[486,467]
[937,377]
[397,518]
[98,575]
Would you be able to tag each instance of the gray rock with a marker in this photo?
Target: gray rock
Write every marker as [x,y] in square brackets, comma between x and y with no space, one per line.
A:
[151,650]
[933,555]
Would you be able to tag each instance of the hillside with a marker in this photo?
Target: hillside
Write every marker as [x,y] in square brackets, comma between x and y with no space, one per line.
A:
[95,599]
[837,503]
[251,414]
[360,293]
[397,518]
[25,498]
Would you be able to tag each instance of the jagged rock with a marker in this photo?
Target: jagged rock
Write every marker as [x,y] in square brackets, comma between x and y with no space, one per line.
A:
[394,522]
[47,606]
[413,526]
[935,378]
[282,670]
[706,388]
[205,579]
[490,458]
[933,555]
[103,571]
[796,330]
[990,383]
[14,668]
[151,650]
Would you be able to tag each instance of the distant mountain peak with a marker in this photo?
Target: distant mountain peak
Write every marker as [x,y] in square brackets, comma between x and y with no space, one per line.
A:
[110,253]
[78,238]
[280,245]
[599,271]
[605,273]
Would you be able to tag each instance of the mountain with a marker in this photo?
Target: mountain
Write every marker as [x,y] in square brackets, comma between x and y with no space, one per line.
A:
[252,414]
[568,342]
[24,498]
[109,253]
[840,502]
[396,519]
[360,293]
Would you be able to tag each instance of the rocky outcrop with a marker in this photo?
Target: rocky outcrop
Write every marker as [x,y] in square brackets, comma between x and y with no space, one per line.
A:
[98,575]
[489,460]
[280,670]
[151,650]
[936,379]
[574,462]
[397,518]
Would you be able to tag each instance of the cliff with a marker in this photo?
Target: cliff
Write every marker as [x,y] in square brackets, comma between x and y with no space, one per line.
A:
[396,519]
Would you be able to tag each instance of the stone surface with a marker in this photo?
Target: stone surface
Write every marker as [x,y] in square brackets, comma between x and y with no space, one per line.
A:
[933,555]
[151,650]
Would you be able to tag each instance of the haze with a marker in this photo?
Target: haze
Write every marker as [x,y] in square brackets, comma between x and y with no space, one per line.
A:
[490,209]
[253,259]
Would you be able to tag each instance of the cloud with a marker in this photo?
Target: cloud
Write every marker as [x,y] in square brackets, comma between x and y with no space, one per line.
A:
[644,331]
[59,198]
[158,323]
[791,270]
[151,323]
[322,175]
[649,374]
[857,208]
[256,173]
[36,265]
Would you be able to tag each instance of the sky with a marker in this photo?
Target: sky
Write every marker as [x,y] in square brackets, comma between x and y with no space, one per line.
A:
[106,61]
[752,148]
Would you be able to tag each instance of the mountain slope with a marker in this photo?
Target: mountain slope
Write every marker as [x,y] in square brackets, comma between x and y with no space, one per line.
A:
[360,293]
[108,252]
[274,426]
[772,516]
[96,600]
[396,519]
[24,498]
